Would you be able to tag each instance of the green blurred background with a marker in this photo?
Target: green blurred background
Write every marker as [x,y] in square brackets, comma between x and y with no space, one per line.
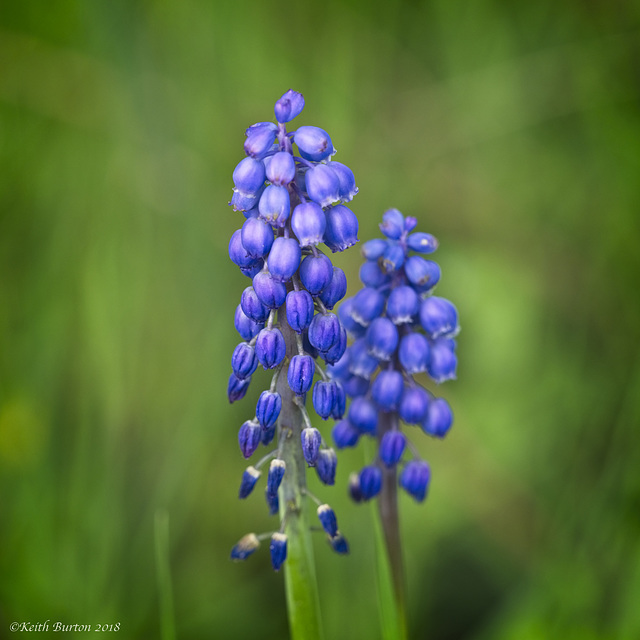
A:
[511,130]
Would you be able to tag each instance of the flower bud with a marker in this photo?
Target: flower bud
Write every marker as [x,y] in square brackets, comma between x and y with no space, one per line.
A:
[272,502]
[289,106]
[339,402]
[363,415]
[414,353]
[345,434]
[253,270]
[339,544]
[410,223]
[310,440]
[259,126]
[373,249]
[274,205]
[326,466]
[249,479]
[300,373]
[328,519]
[414,479]
[371,275]
[244,361]
[403,305]
[439,318]
[249,438]
[324,331]
[322,185]
[270,348]
[368,304]
[392,447]
[324,396]
[347,181]
[277,469]
[241,201]
[257,237]
[308,222]
[422,242]
[392,224]
[356,386]
[342,228]
[245,547]
[248,176]
[393,258]
[439,418]
[237,388]
[268,435]
[442,360]
[238,253]
[423,274]
[281,169]
[345,311]
[313,143]
[284,259]
[278,549]
[259,141]
[382,338]
[370,482]
[252,307]
[299,310]
[316,273]
[414,404]
[335,290]
[386,390]
[270,292]
[361,363]
[268,408]
[245,326]
[354,488]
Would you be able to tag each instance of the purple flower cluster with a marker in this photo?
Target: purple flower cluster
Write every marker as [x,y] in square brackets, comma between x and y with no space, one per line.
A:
[293,196]
[401,331]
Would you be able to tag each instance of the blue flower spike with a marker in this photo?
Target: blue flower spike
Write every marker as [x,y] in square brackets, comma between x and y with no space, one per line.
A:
[292,195]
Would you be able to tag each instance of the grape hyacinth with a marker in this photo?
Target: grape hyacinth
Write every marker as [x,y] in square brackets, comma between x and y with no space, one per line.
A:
[401,331]
[292,195]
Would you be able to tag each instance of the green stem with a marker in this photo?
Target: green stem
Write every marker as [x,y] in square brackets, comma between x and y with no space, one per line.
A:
[303,605]
[163,573]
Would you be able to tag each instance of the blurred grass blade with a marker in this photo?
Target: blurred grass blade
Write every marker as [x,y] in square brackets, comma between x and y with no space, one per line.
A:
[163,573]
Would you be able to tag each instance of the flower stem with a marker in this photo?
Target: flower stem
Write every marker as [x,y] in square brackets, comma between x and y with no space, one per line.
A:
[299,569]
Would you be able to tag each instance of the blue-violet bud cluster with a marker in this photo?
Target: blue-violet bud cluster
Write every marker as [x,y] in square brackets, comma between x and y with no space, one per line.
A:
[292,195]
[400,331]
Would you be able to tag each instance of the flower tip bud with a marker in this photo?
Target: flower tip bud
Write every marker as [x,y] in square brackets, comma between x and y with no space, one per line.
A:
[249,479]
[278,549]
[339,544]
[288,106]
[245,547]
[328,520]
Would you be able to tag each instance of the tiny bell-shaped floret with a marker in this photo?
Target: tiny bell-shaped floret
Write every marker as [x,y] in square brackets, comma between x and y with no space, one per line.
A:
[252,307]
[422,242]
[356,386]
[370,482]
[387,389]
[392,224]
[339,544]
[354,328]
[345,434]
[310,439]
[368,304]
[335,290]
[374,249]
[414,353]
[289,106]
[371,275]
[326,465]
[382,338]
[257,237]
[410,223]
[268,408]
[308,222]
[393,258]
[300,373]
[281,169]
[270,348]
[249,438]
[347,180]
[284,259]
[324,331]
[313,143]
[245,547]
[322,185]
[392,447]
[277,469]
[353,487]
[414,479]
[238,253]
[248,176]
[249,479]
[324,396]
[339,402]
[274,205]
[244,202]
[423,274]
[442,360]
[414,404]
[316,273]
[328,519]
[236,388]
[271,292]
[272,502]
[278,549]
[268,435]
[361,363]
[245,326]
[244,361]
[439,318]
[299,310]
[259,141]
[363,415]
[439,418]
[342,228]
[403,305]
